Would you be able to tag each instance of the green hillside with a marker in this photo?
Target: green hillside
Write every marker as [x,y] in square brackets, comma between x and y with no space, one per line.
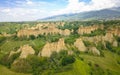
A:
[90,48]
[106,14]
[5,71]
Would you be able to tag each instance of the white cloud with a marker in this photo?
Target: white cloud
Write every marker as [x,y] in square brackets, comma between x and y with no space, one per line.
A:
[29,2]
[25,11]
[5,10]
[74,6]
[30,10]
[22,14]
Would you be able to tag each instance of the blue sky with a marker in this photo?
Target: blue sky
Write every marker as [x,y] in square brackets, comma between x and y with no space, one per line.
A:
[28,10]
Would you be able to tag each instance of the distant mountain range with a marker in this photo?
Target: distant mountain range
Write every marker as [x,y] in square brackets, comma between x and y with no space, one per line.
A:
[105,14]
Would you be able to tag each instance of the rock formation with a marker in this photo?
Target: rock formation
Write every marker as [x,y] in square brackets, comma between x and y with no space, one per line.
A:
[88,29]
[7,35]
[94,39]
[43,29]
[108,37]
[94,50]
[115,31]
[51,47]
[14,52]
[25,51]
[101,38]
[80,45]
[66,32]
[115,43]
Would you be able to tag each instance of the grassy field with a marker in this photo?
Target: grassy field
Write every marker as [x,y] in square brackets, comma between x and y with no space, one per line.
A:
[5,71]
[107,63]
[10,45]
[79,68]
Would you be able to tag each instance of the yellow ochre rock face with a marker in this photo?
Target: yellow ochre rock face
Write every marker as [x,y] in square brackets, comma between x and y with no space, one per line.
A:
[102,38]
[51,47]
[66,32]
[25,51]
[94,50]
[43,29]
[80,45]
[88,29]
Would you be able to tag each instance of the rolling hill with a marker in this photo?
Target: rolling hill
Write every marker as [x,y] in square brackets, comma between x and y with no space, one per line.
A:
[105,14]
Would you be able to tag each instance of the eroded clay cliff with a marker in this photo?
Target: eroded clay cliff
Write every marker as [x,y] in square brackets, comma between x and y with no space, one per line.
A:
[80,45]
[25,51]
[43,29]
[88,29]
[51,47]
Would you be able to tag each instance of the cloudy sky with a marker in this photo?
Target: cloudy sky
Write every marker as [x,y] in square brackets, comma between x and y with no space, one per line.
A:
[28,10]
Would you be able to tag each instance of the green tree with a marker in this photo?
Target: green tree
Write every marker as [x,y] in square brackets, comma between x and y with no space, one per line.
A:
[39,64]
[8,60]
[22,66]
[67,60]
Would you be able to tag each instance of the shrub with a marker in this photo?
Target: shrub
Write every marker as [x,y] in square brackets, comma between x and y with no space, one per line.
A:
[63,53]
[118,40]
[108,46]
[32,37]
[7,61]
[59,61]
[38,64]
[87,43]
[2,39]
[97,70]
[67,60]
[22,66]
[116,50]
[4,60]
[71,39]
[100,46]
